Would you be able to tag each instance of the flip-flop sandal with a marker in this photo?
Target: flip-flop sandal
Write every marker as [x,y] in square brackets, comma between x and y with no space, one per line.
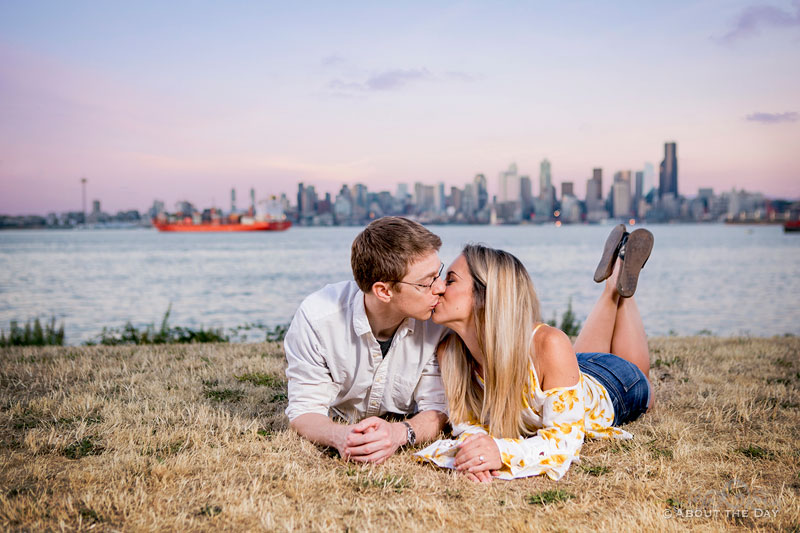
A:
[634,256]
[610,251]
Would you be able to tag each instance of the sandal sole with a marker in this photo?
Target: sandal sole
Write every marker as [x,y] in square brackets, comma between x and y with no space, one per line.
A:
[606,265]
[637,251]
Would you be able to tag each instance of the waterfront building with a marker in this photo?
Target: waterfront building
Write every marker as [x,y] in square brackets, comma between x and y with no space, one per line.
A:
[567,189]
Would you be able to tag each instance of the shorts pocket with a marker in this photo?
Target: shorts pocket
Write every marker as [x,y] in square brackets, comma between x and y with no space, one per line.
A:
[625,372]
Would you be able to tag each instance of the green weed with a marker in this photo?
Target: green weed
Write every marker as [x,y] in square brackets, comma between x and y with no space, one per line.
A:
[548,496]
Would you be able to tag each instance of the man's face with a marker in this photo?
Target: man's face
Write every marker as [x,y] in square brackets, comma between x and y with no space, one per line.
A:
[413,300]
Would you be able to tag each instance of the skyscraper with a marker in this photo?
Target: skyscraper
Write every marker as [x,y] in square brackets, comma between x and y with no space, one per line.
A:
[509,185]
[481,194]
[526,195]
[639,185]
[594,190]
[545,179]
[621,194]
[567,189]
[668,175]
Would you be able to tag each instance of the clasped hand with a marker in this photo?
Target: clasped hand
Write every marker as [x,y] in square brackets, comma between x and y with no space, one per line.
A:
[479,458]
[372,440]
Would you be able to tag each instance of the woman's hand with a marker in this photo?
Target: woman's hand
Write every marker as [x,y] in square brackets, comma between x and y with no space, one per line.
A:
[479,477]
[477,456]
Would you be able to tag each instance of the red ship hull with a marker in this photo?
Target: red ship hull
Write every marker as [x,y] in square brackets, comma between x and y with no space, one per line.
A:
[791,225]
[278,225]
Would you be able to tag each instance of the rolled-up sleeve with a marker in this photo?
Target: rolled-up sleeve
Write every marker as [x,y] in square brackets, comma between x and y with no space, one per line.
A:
[311,386]
[429,393]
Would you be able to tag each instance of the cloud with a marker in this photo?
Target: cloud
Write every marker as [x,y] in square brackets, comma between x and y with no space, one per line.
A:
[332,60]
[392,80]
[774,118]
[754,18]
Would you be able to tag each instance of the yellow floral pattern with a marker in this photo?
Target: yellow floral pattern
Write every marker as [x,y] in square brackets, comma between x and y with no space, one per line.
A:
[561,418]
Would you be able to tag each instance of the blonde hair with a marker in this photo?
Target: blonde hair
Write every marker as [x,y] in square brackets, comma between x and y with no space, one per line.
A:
[505,308]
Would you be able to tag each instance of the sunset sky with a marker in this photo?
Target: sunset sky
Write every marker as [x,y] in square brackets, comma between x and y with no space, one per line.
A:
[185,100]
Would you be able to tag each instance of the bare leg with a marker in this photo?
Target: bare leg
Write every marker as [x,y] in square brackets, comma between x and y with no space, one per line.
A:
[629,340]
[615,326]
[598,331]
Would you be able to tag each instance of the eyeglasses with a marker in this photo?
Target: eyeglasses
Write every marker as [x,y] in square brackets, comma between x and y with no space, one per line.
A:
[427,286]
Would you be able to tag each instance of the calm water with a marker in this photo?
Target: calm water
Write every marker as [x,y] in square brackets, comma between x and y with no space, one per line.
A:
[729,280]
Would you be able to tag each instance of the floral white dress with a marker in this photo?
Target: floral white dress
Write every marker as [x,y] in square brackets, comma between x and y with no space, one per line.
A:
[561,417]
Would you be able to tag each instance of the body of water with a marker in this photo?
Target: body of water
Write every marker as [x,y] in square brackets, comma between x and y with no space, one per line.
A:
[727,280]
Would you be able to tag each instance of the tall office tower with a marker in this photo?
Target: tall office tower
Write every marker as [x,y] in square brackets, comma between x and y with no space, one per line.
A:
[402,191]
[481,193]
[509,185]
[545,179]
[361,195]
[233,200]
[526,195]
[649,178]
[567,189]
[456,199]
[310,201]
[428,198]
[668,175]
[96,207]
[592,193]
[300,192]
[439,198]
[468,200]
[621,193]
[639,186]
[419,194]
[597,175]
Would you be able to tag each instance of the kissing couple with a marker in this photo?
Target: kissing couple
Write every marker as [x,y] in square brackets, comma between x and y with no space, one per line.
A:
[388,360]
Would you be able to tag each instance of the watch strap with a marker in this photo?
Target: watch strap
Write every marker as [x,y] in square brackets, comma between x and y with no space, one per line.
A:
[411,436]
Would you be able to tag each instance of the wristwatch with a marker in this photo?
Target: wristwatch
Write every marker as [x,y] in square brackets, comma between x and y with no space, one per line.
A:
[411,437]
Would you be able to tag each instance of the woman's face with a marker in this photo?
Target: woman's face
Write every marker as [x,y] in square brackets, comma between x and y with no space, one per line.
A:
[455,305]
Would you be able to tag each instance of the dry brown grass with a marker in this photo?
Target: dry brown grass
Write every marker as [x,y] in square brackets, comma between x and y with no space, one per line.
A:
[194,438]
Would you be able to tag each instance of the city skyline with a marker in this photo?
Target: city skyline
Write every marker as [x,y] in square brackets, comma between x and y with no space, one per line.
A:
[156,101]
[632,196]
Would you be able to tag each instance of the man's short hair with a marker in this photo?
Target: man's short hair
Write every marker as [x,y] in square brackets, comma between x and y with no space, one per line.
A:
[385,249]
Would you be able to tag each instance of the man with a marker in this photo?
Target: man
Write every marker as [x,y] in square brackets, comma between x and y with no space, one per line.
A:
[365,349]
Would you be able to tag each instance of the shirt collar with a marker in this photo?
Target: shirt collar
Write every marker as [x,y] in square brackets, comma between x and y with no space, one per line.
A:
[360,321]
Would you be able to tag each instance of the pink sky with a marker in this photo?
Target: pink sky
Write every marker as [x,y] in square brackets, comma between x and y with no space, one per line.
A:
[190,112]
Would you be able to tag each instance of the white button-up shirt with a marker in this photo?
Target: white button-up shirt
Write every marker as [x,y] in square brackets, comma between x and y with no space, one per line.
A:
[335,365]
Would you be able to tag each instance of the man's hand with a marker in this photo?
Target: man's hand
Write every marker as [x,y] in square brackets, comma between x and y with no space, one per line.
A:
[373,440]
[479,458]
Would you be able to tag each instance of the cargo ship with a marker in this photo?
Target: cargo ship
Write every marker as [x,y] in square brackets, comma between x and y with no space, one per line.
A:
[187,224]
[268,217]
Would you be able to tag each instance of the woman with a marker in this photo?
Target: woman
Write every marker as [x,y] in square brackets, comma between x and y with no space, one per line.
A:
[520,399]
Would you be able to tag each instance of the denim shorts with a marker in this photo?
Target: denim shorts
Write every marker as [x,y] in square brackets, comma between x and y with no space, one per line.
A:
[625,384]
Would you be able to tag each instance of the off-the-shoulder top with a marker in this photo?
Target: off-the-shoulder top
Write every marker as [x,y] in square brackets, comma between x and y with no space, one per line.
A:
[561,417]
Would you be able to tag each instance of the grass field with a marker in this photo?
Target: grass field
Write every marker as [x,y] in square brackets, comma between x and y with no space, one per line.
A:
[193,437]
